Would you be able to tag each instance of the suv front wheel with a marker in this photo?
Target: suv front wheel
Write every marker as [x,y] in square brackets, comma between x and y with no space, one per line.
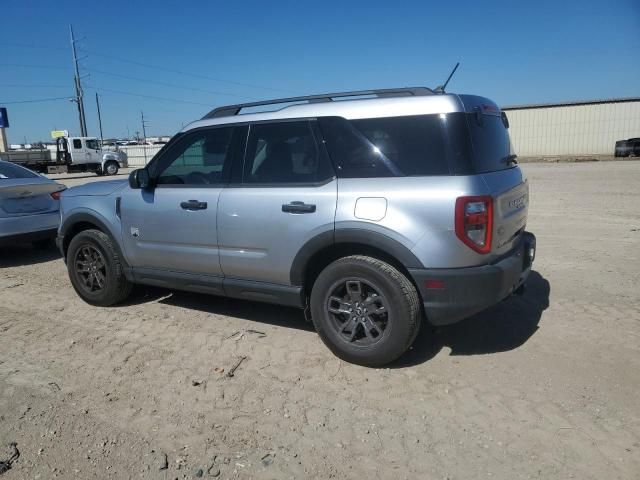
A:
[365,310]
[95,269]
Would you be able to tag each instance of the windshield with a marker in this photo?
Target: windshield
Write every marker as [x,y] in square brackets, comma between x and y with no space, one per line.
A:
[9,170]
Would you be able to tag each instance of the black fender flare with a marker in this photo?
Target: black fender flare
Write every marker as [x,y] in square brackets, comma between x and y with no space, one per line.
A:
[84,217]
[368,238]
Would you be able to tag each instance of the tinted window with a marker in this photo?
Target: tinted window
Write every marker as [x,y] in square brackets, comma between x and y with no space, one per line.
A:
[284,152]
[397,146]
[198,158]
[77,144]
[490,141]
[9,170]
[93,144]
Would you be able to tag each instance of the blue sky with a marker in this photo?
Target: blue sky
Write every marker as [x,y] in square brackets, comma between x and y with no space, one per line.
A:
[195,55]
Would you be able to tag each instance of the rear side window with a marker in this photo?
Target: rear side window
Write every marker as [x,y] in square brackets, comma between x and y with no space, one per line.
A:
[77,144]
[417,145]
[8,170]
[284,152]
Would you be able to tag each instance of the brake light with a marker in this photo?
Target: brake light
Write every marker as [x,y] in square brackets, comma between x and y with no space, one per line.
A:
[474,222]
[56,195]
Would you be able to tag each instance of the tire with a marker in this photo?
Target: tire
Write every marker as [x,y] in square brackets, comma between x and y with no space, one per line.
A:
[111,168]
[95,269]
[389,307]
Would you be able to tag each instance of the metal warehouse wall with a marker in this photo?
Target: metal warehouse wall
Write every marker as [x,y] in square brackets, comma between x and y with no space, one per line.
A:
[590,129]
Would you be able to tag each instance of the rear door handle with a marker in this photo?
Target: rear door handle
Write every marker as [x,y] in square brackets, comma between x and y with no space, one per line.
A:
[194,205]
[298,207]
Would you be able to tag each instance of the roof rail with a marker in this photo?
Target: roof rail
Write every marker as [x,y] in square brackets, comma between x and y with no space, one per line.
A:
[231,110]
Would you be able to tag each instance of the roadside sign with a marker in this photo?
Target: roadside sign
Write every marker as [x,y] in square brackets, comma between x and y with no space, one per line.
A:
[59,133]
[4,118]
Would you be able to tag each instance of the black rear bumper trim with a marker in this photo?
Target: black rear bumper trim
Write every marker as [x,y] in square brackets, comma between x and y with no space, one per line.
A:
[467,291]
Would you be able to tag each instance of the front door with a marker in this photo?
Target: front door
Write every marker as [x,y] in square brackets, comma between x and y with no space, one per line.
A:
[79,153]
[286,195]
[173,226]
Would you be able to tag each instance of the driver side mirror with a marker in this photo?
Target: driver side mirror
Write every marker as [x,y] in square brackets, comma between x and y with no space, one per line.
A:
[140,178]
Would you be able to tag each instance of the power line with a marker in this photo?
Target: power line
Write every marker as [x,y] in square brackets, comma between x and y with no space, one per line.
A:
[135,62]
[36,100]
[148,96]
[166,84]
[24,45]
[190,74]
[19,85]
[26,65]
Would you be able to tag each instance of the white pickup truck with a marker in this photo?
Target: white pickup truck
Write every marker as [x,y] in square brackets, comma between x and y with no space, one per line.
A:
[72,154]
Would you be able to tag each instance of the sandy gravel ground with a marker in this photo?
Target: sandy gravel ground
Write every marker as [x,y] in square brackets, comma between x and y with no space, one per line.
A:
[541,386]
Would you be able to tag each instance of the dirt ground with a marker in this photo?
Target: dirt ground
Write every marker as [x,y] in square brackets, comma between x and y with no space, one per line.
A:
[541,386]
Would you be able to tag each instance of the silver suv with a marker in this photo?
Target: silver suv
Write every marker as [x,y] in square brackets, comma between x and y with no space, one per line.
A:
[369,210]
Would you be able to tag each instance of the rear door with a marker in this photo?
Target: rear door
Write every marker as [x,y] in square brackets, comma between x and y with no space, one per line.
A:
[284,194]
[174,226]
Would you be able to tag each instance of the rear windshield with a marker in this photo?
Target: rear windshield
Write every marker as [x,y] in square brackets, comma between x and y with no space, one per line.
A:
[417,145]
[9,170]
[490,141]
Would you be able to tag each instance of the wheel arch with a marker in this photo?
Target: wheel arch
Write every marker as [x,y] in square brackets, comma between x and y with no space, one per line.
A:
[327,247]
[79,222]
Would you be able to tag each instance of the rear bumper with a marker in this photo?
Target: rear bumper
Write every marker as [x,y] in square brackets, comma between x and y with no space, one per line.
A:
[451,295]
[28,227]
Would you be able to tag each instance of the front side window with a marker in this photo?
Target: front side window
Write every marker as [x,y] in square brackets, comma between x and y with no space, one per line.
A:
[199,158]
[77,143]
[284,152]
[92,144]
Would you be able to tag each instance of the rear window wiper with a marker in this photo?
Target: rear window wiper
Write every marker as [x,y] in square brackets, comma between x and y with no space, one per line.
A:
[511,160]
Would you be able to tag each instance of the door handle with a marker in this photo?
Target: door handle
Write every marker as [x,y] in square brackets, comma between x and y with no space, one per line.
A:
[194,205]
[298,207]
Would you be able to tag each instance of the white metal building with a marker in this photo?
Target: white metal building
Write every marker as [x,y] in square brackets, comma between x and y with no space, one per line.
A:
[578,128]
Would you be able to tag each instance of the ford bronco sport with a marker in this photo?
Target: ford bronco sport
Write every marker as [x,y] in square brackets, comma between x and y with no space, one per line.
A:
[371,210]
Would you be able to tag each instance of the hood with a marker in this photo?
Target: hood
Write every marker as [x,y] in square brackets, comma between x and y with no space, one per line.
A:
[95,188]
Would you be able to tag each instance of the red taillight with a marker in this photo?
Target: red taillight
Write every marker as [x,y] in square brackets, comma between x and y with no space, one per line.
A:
[474,222]
[56,195]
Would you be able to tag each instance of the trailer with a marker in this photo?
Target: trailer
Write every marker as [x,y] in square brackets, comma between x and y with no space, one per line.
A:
[72,155]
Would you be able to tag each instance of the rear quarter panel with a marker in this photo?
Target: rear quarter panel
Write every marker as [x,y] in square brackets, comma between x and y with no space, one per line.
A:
[420,214]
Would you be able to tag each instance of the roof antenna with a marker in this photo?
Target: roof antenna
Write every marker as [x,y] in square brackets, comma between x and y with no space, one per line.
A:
[440,88]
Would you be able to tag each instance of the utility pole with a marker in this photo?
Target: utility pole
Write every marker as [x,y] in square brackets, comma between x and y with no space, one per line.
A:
[99,120]
[78,85]
[144,134]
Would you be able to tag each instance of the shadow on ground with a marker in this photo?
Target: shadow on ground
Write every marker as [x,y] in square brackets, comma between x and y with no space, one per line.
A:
[254,311]
[501,328]
[17,256]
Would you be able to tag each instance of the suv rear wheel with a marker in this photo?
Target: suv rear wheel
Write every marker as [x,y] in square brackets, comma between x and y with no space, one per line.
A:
[365,310]
[95,269]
